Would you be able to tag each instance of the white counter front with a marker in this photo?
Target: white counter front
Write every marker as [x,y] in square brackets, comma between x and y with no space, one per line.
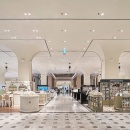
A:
[29,103]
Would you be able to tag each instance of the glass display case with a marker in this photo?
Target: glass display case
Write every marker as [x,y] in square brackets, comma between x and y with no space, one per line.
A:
[109,88]
[126,101]
[95,101]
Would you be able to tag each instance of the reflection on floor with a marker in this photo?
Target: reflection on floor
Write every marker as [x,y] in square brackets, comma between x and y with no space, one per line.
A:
[9,109]
[64,103]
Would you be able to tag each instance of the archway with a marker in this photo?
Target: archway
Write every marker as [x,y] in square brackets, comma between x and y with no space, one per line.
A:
[8,65]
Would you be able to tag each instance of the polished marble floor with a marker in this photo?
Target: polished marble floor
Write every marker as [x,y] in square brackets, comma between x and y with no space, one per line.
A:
[65,121]
[64,118]
[64,103]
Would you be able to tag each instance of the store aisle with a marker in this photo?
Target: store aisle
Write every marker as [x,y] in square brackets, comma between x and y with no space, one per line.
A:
[64,103]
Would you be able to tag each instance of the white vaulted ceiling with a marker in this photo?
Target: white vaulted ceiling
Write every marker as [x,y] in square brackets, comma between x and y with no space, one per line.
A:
[70,24]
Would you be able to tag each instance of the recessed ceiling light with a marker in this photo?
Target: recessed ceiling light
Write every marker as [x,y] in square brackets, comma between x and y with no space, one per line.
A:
[64,30]
[86,41]
[49,41]
[84,48]
[51,48]
[101,14]
[92,30]
[13,37]
[121,30]
[6,30]
[35,30]
[64,14]
[27,14]
[38,37]
[64,41]
[114,37]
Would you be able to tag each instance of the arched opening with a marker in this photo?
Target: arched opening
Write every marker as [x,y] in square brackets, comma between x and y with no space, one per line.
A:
[8,65]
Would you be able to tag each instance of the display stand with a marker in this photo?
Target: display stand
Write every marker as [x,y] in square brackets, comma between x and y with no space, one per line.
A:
[42,98]
[29,103]
[109,87]
[117,102]
[95,102]
[126,102]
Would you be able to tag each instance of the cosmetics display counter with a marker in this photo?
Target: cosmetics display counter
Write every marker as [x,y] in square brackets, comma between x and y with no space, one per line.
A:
[29,102]
[126,101]
[109,88]
[74,93]
[42,98]
[95,101]
[118,102]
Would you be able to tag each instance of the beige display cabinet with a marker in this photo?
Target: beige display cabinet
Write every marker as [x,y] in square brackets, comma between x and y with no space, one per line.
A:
[126,102]
[117,102]
[95,101]
[42,98]
[109,88]
[29,103]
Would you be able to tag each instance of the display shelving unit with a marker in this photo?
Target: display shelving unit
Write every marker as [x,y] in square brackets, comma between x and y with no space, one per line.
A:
[109,88]
[126,102]
[95,102]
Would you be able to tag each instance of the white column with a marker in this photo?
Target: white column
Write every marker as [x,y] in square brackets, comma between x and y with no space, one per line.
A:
[43,79]
[24,70]
[50,81]
[2,77]
[87,78]
[78,81]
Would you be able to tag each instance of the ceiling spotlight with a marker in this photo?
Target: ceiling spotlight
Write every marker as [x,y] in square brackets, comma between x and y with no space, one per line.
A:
[86,41]
[38,37]
[114,37]
[13,37]
[6,67]
[35,30]
[121,30]
[6,30]
[49,41]
[64,30]
[64,14]
[64,41]
[92,30]
[29,13]
[101,14]
[84,48]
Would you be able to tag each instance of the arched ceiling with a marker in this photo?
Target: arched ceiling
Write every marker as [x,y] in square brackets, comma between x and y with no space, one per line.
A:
[49,26]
